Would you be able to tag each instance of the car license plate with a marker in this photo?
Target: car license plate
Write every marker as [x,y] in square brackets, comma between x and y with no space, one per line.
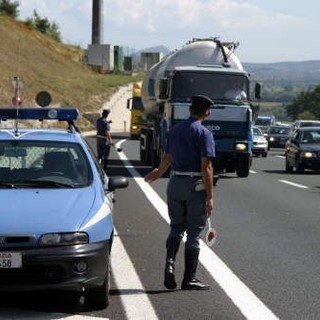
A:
[10,260]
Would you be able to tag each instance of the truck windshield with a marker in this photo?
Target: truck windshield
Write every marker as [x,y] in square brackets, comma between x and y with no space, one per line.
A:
[217,86]
[137,104]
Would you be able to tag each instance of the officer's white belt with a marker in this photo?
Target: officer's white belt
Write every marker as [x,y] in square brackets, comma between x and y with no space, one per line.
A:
[185,173]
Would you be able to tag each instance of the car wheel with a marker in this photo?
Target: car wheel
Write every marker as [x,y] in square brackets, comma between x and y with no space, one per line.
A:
[299,168]
[288,167]
[98,298]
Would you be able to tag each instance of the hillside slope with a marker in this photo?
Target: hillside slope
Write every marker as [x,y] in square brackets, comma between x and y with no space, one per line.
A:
[44,64]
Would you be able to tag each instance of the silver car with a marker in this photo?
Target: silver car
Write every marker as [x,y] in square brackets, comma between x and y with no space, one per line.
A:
[260,143]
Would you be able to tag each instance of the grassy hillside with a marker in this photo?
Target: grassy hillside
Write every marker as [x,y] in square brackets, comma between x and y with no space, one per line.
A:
[44,64]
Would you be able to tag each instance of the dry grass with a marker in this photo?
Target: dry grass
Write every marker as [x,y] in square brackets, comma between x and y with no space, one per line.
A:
[45,65]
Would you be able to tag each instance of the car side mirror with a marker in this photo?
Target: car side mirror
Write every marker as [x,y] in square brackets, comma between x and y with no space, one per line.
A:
[117,183]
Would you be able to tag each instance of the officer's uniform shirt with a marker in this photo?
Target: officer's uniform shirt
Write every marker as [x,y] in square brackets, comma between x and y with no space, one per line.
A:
[103,125]
[188,142]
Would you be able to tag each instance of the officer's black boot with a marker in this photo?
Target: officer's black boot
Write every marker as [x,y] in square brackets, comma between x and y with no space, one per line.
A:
[189,280]
[172,249]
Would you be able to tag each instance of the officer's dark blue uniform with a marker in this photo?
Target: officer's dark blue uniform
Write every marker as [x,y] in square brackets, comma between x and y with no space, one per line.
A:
[103,147]
[188,142]
[190,152]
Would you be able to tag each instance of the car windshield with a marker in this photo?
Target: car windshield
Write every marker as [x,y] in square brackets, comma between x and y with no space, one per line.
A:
[279,130]
[311,136]
[43,164]
[310,124]
[257,132]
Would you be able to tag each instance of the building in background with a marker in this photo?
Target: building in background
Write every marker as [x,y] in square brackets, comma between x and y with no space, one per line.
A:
[148,59]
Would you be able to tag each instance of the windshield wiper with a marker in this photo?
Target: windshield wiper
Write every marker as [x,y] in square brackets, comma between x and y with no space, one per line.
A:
[10,185]
[41,183]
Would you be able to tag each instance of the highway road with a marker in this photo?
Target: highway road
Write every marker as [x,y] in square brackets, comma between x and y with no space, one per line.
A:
[264,265]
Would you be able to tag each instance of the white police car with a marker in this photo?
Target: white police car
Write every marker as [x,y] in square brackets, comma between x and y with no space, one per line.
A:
[56,205]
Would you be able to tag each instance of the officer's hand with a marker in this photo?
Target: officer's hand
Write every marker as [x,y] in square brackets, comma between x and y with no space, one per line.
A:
[209,206]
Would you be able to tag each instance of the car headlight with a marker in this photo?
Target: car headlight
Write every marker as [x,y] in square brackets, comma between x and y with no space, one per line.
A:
[63,239]
[308,154]
[240,147]
[271,139]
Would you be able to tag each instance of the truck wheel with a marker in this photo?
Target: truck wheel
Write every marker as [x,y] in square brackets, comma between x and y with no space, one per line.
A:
[142,155]
[242,170]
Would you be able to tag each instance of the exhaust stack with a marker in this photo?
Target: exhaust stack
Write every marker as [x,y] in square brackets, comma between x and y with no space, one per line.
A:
[97,9]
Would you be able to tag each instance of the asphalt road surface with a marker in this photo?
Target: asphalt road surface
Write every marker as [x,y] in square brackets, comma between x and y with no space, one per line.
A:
[264,264]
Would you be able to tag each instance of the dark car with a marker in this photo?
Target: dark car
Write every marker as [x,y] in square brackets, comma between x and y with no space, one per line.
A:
[303,150]
[277,136]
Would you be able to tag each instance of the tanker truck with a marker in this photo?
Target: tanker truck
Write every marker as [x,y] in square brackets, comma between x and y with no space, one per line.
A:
[201,67]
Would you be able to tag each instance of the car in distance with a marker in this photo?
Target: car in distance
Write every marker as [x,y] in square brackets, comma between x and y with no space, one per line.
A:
[260,143]
[303,150]
[56,228]
[277,136]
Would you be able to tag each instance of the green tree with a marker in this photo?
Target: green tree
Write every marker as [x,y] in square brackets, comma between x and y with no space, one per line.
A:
[44,26]
[305,105]
[10,8]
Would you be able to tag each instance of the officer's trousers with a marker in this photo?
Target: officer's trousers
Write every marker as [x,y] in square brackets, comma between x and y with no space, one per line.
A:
[187,210]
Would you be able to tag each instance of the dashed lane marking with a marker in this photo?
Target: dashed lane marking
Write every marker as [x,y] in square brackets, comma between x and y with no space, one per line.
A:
[301,186]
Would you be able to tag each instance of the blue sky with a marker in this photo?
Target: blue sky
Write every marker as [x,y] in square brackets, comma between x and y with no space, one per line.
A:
[268,30]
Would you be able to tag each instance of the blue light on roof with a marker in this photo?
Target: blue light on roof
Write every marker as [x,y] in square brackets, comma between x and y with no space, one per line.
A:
[62,114]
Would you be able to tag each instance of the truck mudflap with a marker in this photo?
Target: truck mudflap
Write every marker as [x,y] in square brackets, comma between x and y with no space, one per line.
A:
[233,162]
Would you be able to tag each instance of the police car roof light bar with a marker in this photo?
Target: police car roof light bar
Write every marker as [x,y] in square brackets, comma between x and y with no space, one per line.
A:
[62,114]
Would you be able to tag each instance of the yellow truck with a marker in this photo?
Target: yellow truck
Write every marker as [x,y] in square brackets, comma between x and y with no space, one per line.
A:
[134,104]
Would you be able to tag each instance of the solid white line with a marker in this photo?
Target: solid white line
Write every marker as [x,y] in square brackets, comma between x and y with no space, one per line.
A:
[294,184]
[249,305]
[132,293]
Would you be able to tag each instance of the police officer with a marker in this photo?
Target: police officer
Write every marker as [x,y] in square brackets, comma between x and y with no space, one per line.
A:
[104,140]
[190,151]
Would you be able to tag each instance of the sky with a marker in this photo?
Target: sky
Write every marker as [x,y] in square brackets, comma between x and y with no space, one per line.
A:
[267,30]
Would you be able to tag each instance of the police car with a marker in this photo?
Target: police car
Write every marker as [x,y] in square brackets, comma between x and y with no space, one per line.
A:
[56,207]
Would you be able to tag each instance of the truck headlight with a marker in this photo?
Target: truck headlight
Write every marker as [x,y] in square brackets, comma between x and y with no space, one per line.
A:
[63,239]
[308,154]
[240,147]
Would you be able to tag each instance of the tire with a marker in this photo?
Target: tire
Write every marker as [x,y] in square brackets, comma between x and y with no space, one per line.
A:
[288,167]
[242,171]
[299,168]
[98,298]
[264,154]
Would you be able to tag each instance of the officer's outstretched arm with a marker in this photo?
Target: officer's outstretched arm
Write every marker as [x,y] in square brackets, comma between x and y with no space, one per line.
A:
[158,172]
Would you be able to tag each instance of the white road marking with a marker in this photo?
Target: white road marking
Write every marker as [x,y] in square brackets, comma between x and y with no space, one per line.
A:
[294,184]
[132,293]
[252,171]
[246,301]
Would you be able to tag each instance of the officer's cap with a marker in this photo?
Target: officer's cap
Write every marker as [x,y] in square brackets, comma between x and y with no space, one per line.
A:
[201,100]
[105,112]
